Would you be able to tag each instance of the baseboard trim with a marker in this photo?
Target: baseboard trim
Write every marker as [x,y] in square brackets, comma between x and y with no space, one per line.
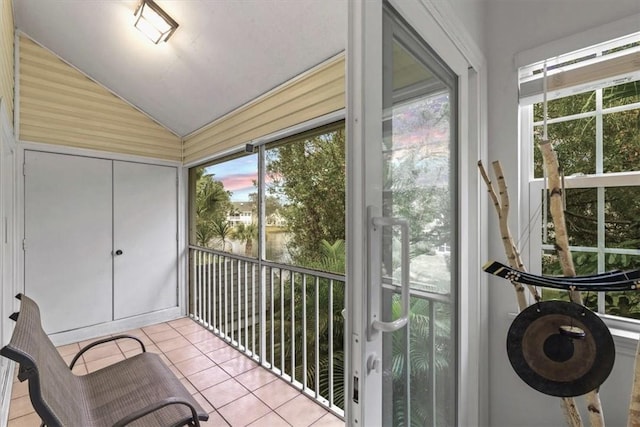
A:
[116,326]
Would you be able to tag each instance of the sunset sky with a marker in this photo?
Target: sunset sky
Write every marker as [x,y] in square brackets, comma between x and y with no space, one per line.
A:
[237,176]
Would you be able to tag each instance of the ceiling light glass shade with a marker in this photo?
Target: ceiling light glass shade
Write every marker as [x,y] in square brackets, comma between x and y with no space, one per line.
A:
[154,22]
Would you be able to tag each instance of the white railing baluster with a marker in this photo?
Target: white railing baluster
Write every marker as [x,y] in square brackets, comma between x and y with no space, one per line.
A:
[282,347]
[200,295]
[330,355]
[293,327]
[200,287]
[207,283]
[239,300]
[221,263]
[317,335]
[304,334]
[231,307]
[271,333]
[214,296]
[225,297]
[253,309]
[262,336]
[246,305]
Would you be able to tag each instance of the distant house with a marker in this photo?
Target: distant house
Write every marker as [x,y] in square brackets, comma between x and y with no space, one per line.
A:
[276,220]
[243,213]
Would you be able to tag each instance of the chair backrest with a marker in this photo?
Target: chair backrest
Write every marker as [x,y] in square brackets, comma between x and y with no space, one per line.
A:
[55,392]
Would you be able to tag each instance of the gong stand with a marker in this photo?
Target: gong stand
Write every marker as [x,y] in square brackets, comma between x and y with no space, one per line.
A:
[556,207]
[501,205]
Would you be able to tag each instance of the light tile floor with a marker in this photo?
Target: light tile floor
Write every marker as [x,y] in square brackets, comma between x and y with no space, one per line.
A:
[234,389]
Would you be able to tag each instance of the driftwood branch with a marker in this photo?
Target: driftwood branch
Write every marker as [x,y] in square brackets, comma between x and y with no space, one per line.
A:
[556,206]
[513,256]
[502,209]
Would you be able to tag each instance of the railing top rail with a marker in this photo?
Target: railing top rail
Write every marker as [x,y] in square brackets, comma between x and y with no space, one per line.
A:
[271,264]
[304,270]
[223,253]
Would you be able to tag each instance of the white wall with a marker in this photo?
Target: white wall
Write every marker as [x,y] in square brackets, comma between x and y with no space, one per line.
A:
[514,26]
[472,15]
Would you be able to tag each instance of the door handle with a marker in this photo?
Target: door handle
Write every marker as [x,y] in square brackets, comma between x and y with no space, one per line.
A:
[119,252]
[375,225]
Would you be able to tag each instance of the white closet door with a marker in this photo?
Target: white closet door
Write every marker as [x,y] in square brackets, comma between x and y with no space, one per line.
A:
[68,239]
[145,244]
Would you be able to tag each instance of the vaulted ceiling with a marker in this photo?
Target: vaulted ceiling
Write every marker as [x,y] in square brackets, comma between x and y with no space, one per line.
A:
[224,54]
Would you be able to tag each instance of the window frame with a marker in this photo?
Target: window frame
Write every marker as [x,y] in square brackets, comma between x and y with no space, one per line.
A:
[259,146]
[532,246]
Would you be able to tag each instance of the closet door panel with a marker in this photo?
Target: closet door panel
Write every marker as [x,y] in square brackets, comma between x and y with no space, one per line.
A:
[145,243]
[68,239]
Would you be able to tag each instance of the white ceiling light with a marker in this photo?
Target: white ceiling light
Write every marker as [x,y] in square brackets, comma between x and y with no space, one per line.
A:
[154,22]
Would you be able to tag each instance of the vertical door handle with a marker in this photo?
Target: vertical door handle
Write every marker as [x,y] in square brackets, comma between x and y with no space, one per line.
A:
[375,225]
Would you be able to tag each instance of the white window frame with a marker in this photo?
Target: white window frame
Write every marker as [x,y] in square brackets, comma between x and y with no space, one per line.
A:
[530,236]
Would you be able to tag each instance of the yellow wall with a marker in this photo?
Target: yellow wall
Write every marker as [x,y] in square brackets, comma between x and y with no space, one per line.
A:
[6,55]
[59,105]
[313,94]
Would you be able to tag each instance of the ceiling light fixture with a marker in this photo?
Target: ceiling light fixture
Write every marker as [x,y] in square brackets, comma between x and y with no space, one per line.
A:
[154,22]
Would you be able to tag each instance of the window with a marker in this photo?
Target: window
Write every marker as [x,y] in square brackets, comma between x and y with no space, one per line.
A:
[303,193]
[593,122]
[224,205]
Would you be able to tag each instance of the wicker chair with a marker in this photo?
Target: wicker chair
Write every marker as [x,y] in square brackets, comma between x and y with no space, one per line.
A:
[140,390]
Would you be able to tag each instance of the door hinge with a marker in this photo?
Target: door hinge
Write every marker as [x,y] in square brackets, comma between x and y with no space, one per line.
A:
[24,169]
[24,244]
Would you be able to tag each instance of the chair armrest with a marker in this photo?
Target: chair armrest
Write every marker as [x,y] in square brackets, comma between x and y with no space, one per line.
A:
[102,341]
[154,407]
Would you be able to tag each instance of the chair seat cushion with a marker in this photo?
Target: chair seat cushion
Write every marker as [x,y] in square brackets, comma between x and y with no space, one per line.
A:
[118,390]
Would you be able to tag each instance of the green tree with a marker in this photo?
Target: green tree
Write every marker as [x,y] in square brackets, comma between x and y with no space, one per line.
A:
[212,204]
[271,204]
[308,177]
[575,144]
[420,366]
[324,290]
[245,233]
[222,230]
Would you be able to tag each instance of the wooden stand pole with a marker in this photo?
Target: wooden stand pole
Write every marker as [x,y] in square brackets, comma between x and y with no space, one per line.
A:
[594,406]
[571,414]
[502,209]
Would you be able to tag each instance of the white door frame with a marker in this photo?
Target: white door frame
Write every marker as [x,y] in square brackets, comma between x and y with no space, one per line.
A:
[437,24]
[8,209]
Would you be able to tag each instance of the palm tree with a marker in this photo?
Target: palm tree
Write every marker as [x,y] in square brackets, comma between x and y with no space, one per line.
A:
[222,230]
[211,205]
[332,259]
[204,233]
[245,233]
[420,366]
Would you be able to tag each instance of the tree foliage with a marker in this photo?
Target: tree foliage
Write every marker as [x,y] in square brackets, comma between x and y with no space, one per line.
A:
[212,204]
[245,233]
[308,177]
[576,145]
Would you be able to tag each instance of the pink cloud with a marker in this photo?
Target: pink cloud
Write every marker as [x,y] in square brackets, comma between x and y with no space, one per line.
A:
[239,181]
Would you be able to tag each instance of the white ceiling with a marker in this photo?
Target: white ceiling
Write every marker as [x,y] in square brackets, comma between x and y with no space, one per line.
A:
[224,54]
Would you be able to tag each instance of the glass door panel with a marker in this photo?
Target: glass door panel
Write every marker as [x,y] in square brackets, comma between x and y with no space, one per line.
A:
[419,186]
[404,127]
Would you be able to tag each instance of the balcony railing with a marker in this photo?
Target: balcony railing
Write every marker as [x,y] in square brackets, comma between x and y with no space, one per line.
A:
[289,319]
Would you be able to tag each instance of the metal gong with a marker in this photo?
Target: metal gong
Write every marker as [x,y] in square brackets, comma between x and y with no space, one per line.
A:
[560,348]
